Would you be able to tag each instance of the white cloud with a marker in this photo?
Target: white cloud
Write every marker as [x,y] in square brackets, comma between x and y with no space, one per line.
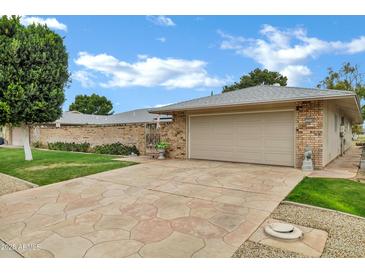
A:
[161,39]
[287,50]
[295,73]
[161,20]
[149,71]
[84,77]
[52,23]
[355,46]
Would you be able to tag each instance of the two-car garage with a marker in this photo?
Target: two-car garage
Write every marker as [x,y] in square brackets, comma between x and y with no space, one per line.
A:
[259,137]
[263,124]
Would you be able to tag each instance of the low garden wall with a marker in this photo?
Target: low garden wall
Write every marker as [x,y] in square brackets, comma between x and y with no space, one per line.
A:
[128,134]
[173,133]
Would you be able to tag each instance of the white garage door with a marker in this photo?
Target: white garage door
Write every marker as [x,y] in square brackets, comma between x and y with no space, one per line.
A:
[17,136]
[263,138]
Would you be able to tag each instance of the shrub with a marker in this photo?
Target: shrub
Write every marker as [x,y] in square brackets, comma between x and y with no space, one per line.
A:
[116,149]
[83,147]
[162,145]
[38,144]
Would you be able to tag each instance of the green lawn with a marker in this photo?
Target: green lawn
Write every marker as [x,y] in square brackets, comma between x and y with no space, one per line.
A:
[338,194]
[50,167]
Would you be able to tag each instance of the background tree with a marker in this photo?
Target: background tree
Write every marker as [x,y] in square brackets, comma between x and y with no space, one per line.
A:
[348,77]
[33,75]
[258,77]
[357,129]
[93,104]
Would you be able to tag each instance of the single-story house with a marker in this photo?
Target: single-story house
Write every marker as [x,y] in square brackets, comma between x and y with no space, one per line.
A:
[263,125]
[266,125]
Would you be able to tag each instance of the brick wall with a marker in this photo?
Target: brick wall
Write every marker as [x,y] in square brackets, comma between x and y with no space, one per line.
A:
[309,131]
[175,134]
[128,134]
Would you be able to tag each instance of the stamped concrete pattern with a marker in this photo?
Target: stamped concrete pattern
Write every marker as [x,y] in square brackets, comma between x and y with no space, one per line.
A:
[172,208]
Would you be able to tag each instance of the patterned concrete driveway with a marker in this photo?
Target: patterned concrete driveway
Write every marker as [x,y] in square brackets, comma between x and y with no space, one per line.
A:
[166,208]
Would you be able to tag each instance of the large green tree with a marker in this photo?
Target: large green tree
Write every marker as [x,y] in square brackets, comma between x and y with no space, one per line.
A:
[93,104]
[33,75]
[348,77]
[258,77]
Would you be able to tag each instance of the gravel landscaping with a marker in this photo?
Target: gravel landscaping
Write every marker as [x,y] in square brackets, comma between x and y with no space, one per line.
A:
[346,237]
[10,184]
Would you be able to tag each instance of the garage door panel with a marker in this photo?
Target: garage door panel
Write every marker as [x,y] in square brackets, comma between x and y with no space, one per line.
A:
[217,155]
[248,144]
[265,138]
[278,158]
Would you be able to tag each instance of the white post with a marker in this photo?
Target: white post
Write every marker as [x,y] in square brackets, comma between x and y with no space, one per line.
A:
[27,150]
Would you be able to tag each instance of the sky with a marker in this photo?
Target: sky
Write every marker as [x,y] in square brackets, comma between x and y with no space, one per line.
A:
[149,61]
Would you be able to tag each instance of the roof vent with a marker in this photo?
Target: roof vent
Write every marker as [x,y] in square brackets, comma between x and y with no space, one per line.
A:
[283,231]
[276,85]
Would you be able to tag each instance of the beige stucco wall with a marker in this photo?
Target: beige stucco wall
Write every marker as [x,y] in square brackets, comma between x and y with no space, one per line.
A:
[332,140]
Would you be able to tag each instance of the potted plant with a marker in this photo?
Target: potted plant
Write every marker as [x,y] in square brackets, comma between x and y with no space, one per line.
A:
[161,148]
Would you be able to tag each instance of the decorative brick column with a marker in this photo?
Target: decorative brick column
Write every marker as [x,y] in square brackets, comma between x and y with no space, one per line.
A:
[309,131]
[175,134]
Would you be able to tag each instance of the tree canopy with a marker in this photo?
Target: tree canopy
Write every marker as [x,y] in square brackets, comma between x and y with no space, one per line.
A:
[33,73]
[348,77]
[93,104]
[258,77]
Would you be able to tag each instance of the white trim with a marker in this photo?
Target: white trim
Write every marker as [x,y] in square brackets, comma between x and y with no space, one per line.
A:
[248,112]
[295,139]
[189,138]
[242,112]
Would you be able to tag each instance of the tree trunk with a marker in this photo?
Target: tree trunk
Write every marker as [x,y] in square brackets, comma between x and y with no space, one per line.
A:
[27,150]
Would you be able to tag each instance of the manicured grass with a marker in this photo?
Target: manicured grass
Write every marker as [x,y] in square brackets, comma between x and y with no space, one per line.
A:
[50,167]
[338,194]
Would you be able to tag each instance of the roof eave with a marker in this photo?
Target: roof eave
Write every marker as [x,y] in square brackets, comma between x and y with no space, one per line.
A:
[170,111]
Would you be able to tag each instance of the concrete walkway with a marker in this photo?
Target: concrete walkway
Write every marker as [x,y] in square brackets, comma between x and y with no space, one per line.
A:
[166,208]
[345,167]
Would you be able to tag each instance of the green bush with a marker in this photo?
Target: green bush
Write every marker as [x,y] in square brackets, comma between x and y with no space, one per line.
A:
[116,149]
[83,147]
[37,144]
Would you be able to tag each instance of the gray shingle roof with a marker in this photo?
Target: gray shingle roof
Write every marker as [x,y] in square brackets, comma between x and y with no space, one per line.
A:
[133,116]
[252,95]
